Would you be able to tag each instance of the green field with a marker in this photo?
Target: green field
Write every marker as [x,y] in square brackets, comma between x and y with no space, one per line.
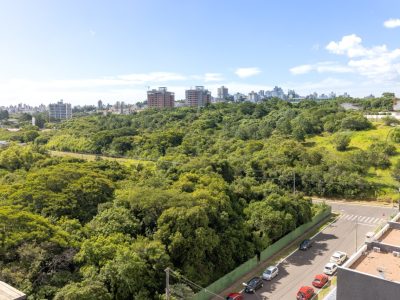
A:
[91,157]
[362,140]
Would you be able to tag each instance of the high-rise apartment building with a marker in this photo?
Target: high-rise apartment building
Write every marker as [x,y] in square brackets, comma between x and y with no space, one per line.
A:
[199,96]
[60,111]
[253,97]
[160,98]
[222,93]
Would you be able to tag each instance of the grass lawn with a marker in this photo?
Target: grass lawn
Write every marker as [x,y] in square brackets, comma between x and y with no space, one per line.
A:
[388,190]
[124,161]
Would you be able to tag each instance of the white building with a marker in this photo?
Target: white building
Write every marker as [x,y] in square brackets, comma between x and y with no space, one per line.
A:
[222,93]
[60,111]
[253,97]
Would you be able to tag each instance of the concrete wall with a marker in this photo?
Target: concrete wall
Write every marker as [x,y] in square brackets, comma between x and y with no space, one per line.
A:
[354,257]
[384,247]
[353,285]
[394,225]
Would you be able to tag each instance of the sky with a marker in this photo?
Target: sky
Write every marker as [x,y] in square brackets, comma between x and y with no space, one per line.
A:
[83,51]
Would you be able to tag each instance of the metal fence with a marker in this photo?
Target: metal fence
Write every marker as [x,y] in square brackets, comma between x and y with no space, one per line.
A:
[228,279]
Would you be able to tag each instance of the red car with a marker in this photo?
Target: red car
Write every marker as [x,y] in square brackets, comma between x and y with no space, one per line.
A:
[320,280]
[305,293]
[234,296]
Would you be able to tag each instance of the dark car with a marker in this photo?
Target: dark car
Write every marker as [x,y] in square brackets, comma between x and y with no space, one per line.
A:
[306,244]
[253,284]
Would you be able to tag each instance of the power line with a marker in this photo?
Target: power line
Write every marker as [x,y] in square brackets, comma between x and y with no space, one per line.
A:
[181,277]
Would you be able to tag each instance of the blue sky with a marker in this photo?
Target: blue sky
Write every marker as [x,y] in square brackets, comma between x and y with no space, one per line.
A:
[82,51]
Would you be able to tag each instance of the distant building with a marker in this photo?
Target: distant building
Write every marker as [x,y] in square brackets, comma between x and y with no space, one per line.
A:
[160,98]
[99,105]
[253,97]
[60,111]
[238,97]
[222,93]
[277,92]
[199,96]
[292,95]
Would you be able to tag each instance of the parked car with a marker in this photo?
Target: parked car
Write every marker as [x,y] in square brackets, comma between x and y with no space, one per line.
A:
[338,257]
[330,268]
[320,280]
[234,296]
[305,293]
[306,244]
[253,284]
[270,273]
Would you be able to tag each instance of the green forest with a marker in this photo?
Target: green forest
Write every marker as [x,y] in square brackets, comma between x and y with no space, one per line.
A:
[201,191]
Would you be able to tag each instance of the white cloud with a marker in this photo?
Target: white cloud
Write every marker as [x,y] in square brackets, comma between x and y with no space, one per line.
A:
[247,72]
[141,78]
[322,67]
[213,77]
[349,45]
[303,69]
[392,23]
[377,63]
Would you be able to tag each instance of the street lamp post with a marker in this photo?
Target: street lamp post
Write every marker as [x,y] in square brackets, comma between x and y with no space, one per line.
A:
[356,232]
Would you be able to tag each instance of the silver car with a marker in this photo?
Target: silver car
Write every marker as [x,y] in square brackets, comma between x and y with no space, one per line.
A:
[270,273]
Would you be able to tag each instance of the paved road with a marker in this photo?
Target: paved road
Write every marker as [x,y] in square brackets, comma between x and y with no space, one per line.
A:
[299,268]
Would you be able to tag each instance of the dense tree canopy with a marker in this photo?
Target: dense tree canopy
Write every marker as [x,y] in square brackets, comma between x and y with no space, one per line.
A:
[208,189]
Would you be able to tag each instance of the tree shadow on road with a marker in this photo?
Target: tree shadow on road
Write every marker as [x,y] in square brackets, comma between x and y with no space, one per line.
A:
[299,258]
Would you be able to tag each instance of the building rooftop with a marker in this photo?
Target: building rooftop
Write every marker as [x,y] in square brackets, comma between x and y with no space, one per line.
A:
[384,265]
[7,292]
[391,237]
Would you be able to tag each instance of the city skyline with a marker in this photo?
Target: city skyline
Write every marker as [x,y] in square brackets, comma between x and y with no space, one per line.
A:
[83,52]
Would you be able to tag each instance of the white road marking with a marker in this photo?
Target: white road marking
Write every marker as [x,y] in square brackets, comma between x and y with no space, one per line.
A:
[350,217]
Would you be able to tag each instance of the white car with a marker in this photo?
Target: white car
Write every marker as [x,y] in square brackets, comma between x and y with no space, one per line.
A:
[270,273]
[338,257]
[330,268]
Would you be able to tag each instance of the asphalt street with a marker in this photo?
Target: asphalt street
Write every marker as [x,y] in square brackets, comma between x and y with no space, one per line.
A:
[345,234]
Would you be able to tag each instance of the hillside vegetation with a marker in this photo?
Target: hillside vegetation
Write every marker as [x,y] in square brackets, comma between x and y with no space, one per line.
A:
[198,191]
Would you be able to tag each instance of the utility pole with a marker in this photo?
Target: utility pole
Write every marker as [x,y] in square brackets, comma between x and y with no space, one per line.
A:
[356,231]
[167,291]
[294,183]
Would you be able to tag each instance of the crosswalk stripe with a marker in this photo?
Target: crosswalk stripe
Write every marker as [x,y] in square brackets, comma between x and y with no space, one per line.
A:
[353,218]
[367,220]
[375,220]
[346,217]
[361,219]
